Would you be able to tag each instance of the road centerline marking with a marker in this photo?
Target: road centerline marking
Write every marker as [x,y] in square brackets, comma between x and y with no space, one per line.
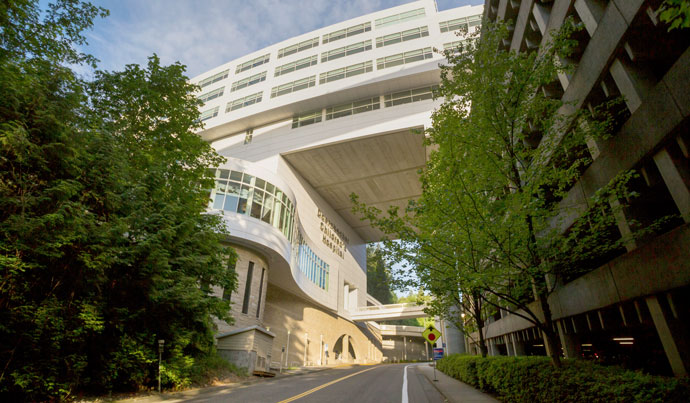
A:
[310,391]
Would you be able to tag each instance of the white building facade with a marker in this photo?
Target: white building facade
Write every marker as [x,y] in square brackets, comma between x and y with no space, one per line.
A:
[304,124]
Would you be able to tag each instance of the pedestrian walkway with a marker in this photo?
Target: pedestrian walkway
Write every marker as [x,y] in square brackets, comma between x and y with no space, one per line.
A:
[454,390]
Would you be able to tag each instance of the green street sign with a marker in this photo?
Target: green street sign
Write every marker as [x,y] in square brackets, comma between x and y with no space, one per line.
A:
[431,334]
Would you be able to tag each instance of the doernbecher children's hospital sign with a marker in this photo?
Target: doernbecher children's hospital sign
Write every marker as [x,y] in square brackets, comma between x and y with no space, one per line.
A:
[332,237]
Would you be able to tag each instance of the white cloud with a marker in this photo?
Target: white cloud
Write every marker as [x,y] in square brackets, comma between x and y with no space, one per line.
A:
[205,34]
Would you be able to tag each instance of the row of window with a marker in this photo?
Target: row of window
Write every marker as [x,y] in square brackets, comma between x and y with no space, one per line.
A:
[214,78]
[208,114]
[403,36]
[344,72]
[212,94]
[244,101]
[346,51]
[400,18]
[365,105]
[242,193]
[461,23]
[293,86]
[403,58]
[313,266]
[253,63]
[302,46]
[346,32]
[333,75]
[296,65]
[445,26]
[246,82]
[455,46]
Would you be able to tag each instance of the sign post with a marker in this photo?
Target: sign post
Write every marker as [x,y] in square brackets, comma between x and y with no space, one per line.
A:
[432,335]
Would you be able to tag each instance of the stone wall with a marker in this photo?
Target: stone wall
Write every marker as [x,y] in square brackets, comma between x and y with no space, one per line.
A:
[312,326]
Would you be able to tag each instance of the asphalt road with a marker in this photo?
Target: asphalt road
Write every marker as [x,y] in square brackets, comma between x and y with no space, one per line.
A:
[355,384]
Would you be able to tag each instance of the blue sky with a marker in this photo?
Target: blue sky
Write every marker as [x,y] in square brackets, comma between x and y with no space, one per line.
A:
[205,34]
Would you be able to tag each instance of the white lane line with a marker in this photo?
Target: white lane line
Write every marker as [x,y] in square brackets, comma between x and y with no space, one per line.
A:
[404,388]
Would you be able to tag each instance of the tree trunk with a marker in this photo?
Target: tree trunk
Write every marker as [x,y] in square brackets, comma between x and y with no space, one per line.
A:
[550,337]
[477,313]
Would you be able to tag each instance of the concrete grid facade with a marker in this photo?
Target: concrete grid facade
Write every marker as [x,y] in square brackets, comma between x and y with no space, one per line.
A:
[303,124]
[633,309]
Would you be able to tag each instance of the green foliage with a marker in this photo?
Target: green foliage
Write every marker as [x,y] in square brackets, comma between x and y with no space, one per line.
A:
[103,240]
[676,13]
[378,276]
[533,379]
[486,234]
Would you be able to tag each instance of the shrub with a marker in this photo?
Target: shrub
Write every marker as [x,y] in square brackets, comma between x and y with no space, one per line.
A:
[534,379]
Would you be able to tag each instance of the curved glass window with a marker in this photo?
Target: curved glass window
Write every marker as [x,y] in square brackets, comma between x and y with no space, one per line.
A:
[242,193]
[313,266]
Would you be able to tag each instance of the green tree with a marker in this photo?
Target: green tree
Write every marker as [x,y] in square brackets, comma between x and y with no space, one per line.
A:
[485,234]
[378,276]
[104,244]
[676,13]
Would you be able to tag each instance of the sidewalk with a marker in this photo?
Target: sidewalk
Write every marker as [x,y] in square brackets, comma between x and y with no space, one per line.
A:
[452,389]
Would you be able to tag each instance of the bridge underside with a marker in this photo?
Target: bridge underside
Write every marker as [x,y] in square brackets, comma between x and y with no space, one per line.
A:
[381,169]
[382,313]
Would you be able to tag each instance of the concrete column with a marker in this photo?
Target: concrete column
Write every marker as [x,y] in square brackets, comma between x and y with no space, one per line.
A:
[346,297]
[622,224]
[568,342]
[509,345]
[321,350]
[346,349]
[404,348]
[306,348]
[669,340]
[518,346]
[676,175]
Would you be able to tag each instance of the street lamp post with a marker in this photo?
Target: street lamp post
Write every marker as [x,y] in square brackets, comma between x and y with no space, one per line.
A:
[161,343]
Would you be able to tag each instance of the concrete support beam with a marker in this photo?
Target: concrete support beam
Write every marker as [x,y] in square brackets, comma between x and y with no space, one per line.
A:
[590,12]
[521,24]
[502,7]
[623,225]
[633,83]
[669,340]
[541,16]
[346,348]
[674,169]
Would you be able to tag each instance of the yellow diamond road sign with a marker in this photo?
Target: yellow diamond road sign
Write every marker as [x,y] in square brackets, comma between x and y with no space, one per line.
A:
[431,334]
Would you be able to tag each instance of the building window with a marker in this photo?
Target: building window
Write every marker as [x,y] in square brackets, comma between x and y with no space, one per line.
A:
[244,101]
[293,86]
[353,108]
[255,79]
[227,293]
[403,36]
[456,46]
[349,71]
[305,119]
[405,97]
[242,193]
[347,32]
[302,46]
[399,18]
[252,63]
[261,290]
[313,266]
[208,114]
[346,51]
[460,23]
[403,58]
[214,78]
[248,288]
[248,136]
[211,95]
[298,65]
